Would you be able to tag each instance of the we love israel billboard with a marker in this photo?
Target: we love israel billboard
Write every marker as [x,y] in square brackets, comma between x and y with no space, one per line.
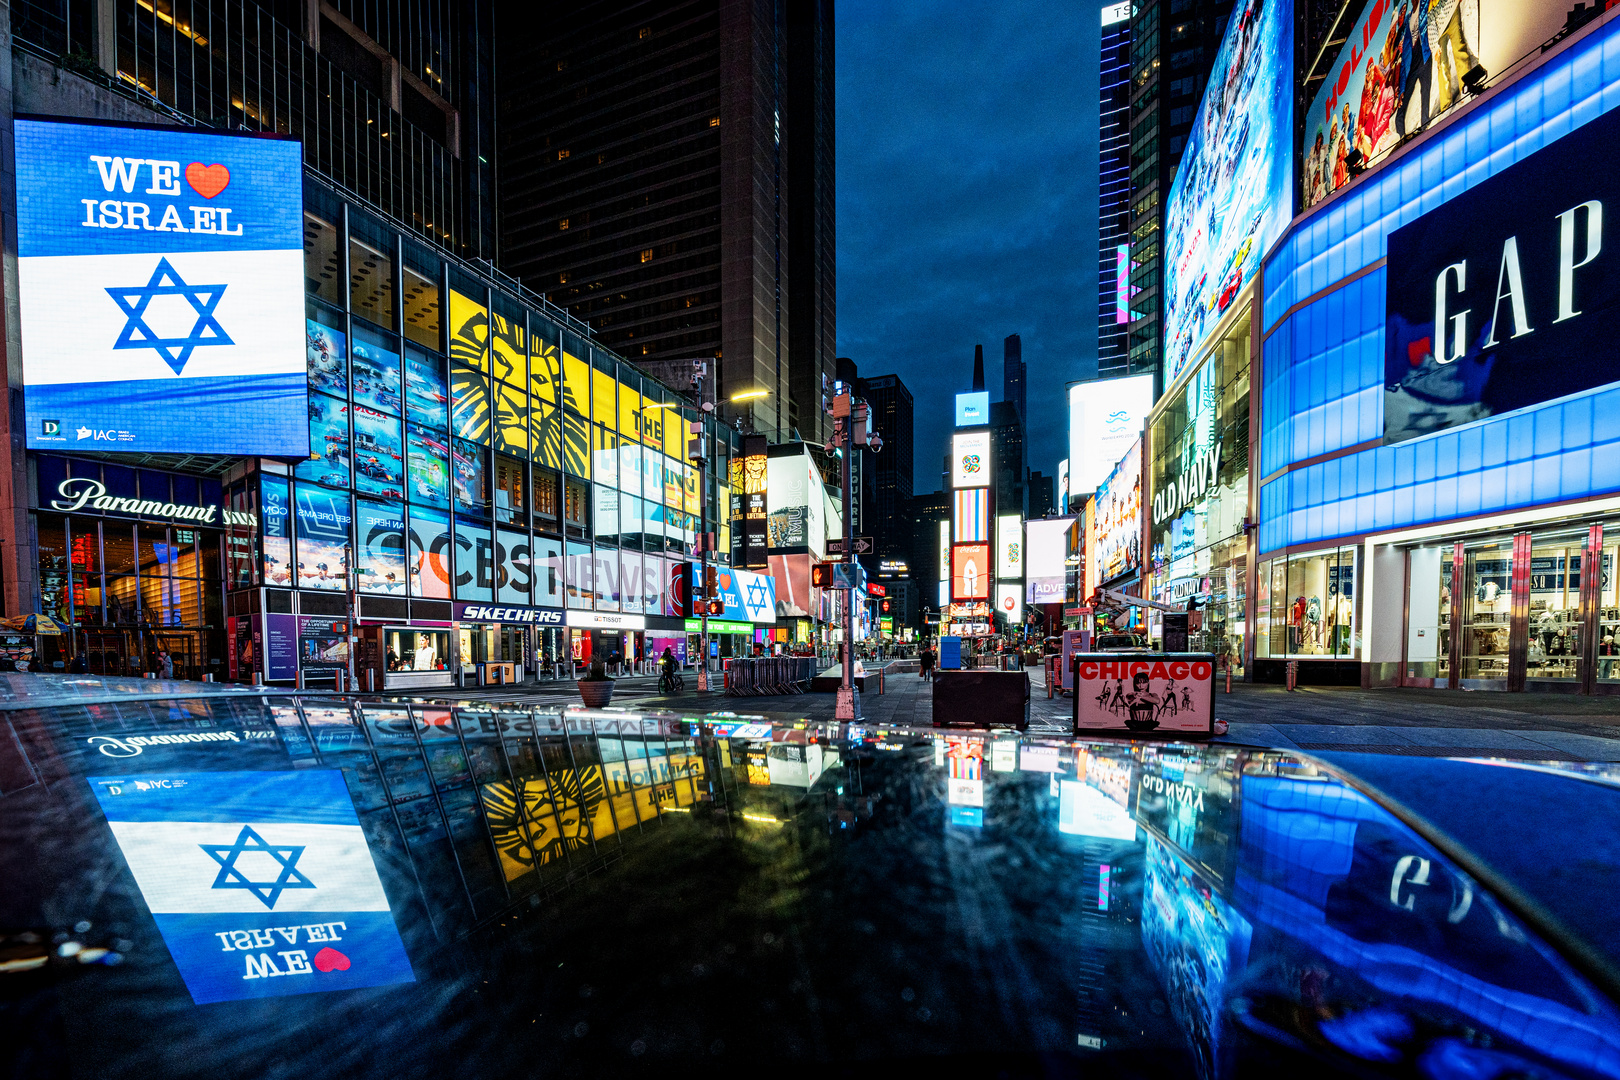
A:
[161,286]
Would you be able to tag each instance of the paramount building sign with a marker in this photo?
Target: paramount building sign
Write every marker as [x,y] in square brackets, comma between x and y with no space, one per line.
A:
[81,493]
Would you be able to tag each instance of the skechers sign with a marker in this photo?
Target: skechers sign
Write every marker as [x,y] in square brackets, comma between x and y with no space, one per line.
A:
[161,284]
[1504,296]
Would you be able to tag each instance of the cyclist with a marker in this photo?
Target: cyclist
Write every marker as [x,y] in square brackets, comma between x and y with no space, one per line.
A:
[671,680]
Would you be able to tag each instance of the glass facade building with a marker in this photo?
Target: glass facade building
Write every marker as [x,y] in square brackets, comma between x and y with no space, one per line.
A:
[1462,551]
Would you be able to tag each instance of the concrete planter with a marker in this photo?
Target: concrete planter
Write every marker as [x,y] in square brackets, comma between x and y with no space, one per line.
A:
[596,693]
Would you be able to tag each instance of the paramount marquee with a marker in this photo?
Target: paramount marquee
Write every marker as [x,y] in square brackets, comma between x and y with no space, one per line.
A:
[77,494]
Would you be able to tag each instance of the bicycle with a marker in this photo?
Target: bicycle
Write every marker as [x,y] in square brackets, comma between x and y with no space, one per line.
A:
[671,682]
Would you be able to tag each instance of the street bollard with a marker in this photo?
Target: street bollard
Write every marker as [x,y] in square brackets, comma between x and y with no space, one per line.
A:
[300,678]
[371,680]
[258,678]
[1293,674]
[337,681]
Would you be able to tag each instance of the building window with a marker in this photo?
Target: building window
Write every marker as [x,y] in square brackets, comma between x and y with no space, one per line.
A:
[714,121]
[563,224]
[646,254]
[561,154]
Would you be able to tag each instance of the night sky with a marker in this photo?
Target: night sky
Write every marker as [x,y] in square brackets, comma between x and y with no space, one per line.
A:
[967,203]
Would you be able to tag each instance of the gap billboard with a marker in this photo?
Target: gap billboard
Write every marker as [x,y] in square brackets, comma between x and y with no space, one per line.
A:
[161,286]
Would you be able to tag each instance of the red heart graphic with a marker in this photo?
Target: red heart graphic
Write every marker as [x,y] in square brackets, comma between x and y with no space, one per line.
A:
[329,958]
[207,180]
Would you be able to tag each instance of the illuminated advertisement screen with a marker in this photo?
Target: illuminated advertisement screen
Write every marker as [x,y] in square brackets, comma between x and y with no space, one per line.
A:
[1105,417]
[944,551]
[1010,601]
[749,597]
[1046,556]
[1009,547]
[1233,193]
[1122,283]
[1399,69]
[973,409]
[972,514]
[970,459]
[970,572]
[161,287]
[260,882]
[1119,518]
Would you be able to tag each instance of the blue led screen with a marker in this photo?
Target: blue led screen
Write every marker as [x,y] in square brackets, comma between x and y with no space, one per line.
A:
[161,287]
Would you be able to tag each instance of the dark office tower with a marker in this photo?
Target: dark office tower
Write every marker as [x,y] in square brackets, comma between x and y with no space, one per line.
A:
[393,99]
[667,176]
[1012,374]
[892,468]
[1173,47]
[1042,495]
[1114,192]
[1007,440]
[978,367]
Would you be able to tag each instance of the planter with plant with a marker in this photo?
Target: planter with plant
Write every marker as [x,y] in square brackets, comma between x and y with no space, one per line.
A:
[596,689]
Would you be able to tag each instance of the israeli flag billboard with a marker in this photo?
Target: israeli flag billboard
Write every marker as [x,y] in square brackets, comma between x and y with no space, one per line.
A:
[260,882]
[161,285]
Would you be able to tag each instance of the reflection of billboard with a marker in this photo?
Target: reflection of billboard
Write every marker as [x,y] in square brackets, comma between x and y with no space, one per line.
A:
[970,572]
[1195,941]
[1401,67]
[1233,192]
[1085,811]
[261,883]
[161,285]
[1046,554]
[970,459]
[1492,298]
[1009,547]
[1119,518]
[1104,419]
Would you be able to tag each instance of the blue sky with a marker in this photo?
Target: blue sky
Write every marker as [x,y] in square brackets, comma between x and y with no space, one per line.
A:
[967,202]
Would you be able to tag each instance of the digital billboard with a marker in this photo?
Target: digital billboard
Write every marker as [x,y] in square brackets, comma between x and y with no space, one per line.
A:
[790,481]
[1009,547]
[1497,299]
[749,597]
[1046,553]
[1401,67]
[1010,601]
[973,409]
[972,515]
[1105,417]
[1234,191]
[970,459]
[1119,518]
[970,572]
[161,289]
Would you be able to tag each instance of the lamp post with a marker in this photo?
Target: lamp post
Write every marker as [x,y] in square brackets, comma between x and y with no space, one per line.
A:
[851,420]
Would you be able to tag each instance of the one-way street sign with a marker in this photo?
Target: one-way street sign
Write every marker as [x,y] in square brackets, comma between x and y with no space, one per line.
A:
[863,546]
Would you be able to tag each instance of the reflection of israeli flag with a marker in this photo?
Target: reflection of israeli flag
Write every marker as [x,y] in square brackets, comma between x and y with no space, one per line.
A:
[261,883]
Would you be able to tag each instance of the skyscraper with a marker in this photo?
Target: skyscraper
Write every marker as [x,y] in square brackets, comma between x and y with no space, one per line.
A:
[667,176]
[1013,386]
[891,407]
[1114,193]
[1172,49]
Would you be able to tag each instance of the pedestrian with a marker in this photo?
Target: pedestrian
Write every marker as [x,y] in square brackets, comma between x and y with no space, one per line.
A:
[166,665]
[77,666]
[1607,650]
[925,662]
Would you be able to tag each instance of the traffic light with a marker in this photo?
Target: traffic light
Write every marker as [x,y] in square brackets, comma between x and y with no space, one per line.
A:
[711,581]
[717,607]
[821,575]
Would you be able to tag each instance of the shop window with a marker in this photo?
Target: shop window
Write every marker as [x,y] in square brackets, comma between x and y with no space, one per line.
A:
[371,271]
[52,543]
[416,650]
[321,269]
[576,506]
[118,547]
[420,299]
[1308,606]
[1556,622]
[547,500]
[511,490]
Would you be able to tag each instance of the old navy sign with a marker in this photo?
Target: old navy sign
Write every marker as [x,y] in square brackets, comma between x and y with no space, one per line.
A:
[1503,297]
[1194,483]
[499,614]
[79,493]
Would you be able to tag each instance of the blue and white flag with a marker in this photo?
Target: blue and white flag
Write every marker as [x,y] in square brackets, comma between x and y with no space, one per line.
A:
[161,285]
[260,882]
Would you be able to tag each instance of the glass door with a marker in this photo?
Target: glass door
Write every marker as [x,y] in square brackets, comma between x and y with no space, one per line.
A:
[1556,623]
[1486,611]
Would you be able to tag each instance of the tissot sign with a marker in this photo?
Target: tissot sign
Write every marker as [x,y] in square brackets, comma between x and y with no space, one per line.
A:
[1506,295]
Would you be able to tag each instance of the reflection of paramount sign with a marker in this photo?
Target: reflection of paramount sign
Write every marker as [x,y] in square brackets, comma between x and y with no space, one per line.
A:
[79,492]
[131,745]
[1191,486]
[532,616]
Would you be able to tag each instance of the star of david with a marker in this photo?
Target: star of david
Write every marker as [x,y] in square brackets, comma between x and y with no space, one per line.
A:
[268,892]
[758,596]
[165,281]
